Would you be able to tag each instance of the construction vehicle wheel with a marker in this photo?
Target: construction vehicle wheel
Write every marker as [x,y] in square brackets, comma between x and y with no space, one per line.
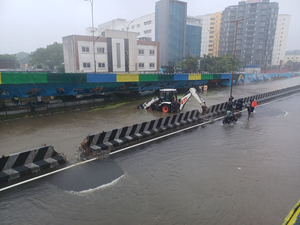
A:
[149,109]
[165,108]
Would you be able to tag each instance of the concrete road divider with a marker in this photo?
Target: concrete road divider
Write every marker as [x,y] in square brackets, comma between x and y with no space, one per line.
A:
[30,162]
[110,141]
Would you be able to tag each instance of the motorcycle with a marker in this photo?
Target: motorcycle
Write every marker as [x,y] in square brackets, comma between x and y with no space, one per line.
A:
[227,120]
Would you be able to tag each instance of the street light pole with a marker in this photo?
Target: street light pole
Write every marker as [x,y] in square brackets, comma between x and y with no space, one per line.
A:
[127,51]
[236,25]
[93,31]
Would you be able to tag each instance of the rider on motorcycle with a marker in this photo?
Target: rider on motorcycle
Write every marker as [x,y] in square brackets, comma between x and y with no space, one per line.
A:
[230,117]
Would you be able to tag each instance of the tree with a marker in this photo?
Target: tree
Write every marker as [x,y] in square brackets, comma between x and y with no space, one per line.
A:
[49,57]
[222,64]
[190,65]
[289,63]
[23,57]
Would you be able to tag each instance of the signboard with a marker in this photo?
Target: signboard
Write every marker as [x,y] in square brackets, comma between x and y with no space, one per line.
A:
[253,1]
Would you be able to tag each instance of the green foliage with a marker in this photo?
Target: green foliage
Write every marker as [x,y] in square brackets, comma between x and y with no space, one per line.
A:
[191,65]
[23,57]
[289,62]
[48,57]
[222,64]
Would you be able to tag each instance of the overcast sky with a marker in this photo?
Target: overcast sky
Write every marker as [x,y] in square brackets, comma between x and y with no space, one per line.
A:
[26,25]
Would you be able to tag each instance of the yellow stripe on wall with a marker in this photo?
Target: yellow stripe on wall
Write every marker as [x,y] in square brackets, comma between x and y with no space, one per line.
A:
[124,77]
[196,76]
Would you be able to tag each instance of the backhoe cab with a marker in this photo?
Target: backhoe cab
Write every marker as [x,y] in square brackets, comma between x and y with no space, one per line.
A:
[168,102]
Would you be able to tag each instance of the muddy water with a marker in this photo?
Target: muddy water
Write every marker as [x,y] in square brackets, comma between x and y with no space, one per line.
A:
[246,173]
[66,130]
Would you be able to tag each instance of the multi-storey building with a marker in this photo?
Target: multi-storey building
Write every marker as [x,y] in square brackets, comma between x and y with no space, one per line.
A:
[144,26]
[211,24]
[205,21]
[293,56]
[281,36]
[214,34]
[115,51]
[169,25]
[255,31]
[170,30]
[193,37]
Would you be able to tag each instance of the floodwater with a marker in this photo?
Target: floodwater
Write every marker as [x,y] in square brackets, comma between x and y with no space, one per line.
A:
[246,173]
[66,130]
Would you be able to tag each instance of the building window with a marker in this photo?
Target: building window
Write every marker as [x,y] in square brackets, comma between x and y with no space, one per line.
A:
[141,51]
[141,65]
[138,25]
[101,65]
[138,33]
[147,31]
[100,50]
[132,27]
[151,65]
[86,65]
[152,52]
[147,22]
[85,49]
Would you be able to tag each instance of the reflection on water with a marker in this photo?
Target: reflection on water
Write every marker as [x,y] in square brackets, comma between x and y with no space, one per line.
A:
[88,176]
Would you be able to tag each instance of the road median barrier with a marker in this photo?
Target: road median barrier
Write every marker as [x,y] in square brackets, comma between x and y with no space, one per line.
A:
[29,163]
[110,141]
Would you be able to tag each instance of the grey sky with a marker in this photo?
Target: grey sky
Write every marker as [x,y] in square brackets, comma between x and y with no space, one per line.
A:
[26,25]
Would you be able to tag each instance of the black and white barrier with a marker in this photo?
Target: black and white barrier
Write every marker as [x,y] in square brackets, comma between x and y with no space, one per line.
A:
[29,162]
[111,140]
[220,109]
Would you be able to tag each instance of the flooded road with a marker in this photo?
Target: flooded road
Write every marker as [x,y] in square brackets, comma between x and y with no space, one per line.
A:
[246,173]
[66,130]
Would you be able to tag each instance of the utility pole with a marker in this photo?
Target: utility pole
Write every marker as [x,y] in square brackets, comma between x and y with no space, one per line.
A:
[293,61]
[188,58]
[92,8]
[236,25]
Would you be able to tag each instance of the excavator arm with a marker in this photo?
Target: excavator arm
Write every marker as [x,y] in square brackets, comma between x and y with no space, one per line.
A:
[148,103]
[192,91]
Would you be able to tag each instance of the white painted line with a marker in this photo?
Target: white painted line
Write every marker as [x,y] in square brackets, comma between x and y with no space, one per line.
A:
[123,149]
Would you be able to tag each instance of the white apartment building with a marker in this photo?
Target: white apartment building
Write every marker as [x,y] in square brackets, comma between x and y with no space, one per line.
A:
[280,41]
[205,33]
[143,26]
[115,52]
[293,56]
